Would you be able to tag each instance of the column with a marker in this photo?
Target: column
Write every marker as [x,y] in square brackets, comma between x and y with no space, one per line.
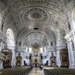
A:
[71,55]
[60,44]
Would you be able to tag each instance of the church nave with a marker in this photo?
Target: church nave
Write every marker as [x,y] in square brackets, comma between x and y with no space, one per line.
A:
[37,37]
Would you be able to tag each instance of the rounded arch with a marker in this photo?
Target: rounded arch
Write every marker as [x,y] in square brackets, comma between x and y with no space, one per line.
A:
[73,18]
[10,39]
[38,37]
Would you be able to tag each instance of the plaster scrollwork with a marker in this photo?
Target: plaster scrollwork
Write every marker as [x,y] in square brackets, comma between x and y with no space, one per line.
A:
[35,14]
[70,36]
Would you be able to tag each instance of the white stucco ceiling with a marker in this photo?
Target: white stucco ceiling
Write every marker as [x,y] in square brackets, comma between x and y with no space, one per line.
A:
[46,15]
[37,13]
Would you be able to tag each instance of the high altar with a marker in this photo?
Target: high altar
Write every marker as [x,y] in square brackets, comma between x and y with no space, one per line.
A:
[36,58]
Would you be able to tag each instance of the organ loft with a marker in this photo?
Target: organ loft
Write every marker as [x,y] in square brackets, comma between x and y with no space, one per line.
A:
[37,37]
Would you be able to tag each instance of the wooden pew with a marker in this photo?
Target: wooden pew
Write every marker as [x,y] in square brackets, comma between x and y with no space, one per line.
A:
[59,71]
[15,71]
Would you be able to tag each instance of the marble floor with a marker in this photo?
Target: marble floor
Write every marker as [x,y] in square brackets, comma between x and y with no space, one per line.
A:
[36,71]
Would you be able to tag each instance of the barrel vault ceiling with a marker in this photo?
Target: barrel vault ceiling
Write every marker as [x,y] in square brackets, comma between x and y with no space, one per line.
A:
[43,15]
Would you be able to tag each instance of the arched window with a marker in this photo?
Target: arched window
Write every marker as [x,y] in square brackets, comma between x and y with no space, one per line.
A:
[10,39]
